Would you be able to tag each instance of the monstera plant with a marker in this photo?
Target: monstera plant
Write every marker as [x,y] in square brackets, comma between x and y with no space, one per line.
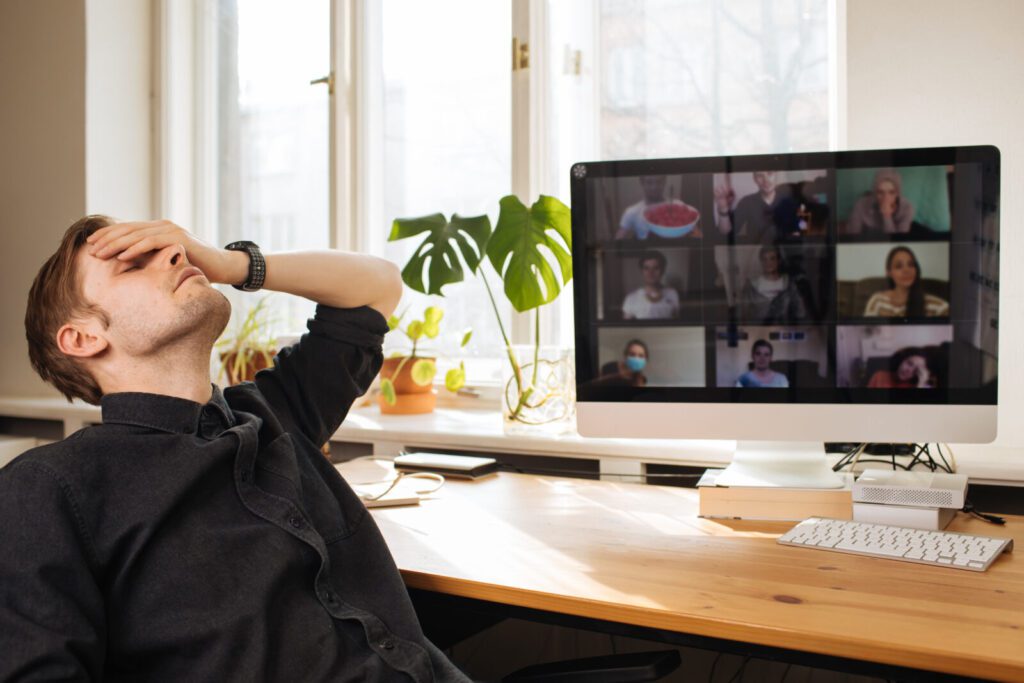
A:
[530,248]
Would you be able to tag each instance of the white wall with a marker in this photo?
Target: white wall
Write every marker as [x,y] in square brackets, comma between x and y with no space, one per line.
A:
[42,145]
[948,72]
[74,138]
[118,78]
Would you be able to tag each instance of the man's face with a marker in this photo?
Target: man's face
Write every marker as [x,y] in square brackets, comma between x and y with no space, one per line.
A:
[153,301]
[654,188]
[652,272]
[770,263]
[765,181]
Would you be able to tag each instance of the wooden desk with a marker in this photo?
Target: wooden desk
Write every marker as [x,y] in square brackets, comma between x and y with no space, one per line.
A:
[638,554]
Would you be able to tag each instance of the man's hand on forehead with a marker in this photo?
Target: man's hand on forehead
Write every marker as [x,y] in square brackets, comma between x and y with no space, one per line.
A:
[130,240]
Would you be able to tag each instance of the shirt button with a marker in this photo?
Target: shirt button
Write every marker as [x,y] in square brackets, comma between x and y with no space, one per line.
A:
[295,522]
[387,644]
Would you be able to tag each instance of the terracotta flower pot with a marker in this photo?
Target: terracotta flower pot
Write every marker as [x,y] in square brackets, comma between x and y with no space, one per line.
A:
[410,398]
[254,362]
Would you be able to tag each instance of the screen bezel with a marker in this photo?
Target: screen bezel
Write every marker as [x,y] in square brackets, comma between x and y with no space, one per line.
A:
[585,289]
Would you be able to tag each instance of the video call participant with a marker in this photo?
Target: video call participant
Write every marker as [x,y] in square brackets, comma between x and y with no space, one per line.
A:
[905,297]
[629,371]
[885,210]
[632,223]
[908,369]
[771,296]
[765,216]
[655,300]
[762,375]
[199,534]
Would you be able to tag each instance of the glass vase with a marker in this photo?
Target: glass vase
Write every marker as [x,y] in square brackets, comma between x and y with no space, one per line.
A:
[539,391]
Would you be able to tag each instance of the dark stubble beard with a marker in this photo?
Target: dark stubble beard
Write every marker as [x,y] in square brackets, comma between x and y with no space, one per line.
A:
[193,330]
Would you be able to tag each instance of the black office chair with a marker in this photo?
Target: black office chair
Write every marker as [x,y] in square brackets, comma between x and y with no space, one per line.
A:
[633,667]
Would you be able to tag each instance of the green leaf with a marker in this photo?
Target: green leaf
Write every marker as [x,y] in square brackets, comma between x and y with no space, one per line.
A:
[393,322]
[433,314]
[423,371]
[523,246]
[438,255]
[387,390]
[466,336]
[455,378]
[431,329]
[415,330]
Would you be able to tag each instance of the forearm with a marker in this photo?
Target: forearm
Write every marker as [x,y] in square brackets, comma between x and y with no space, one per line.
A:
[334,278]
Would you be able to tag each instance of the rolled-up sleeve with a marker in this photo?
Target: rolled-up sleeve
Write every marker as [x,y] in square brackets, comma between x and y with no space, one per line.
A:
[52,624]
[312,385]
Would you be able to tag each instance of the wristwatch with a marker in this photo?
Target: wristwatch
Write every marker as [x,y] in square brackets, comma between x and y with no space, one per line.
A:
[257,265]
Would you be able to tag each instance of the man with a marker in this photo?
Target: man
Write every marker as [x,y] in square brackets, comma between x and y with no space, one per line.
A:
[772,297]
[199,535]
[761,217]
[632,223]
[654,300]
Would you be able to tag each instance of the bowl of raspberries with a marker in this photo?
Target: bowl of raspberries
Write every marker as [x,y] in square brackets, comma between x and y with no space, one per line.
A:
[671,219]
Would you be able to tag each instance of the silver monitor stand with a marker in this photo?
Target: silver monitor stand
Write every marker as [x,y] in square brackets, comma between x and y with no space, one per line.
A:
[780,464]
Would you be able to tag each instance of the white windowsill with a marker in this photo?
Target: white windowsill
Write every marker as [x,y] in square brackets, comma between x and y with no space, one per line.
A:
[480,430]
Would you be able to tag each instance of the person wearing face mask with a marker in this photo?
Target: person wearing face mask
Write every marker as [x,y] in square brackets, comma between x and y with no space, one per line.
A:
[905,296]
[908,369]
[761,375]
[885,209]
[628,372]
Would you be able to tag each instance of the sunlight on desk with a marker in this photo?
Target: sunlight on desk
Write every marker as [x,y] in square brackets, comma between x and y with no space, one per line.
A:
[638,554]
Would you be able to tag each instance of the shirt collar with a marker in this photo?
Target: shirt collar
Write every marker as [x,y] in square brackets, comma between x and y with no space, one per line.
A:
[168,413]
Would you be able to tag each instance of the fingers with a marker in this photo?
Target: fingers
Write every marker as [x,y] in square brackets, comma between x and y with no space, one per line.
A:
[129,240]
[148,244]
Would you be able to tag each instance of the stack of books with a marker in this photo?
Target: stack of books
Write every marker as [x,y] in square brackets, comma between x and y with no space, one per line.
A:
[773,503]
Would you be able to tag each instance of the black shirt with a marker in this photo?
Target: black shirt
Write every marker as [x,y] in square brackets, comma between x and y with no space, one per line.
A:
[188,542]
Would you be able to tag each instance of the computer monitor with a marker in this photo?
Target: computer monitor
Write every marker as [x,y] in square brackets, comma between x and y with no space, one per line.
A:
[834,296]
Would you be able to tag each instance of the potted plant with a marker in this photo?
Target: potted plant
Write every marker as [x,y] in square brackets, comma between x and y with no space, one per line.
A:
[406,385]
[248,348]
[530,250]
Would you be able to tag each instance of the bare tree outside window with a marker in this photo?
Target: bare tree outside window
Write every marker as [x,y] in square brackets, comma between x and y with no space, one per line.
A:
[712,77]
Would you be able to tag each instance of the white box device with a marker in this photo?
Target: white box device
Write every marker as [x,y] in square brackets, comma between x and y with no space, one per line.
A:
[912,489]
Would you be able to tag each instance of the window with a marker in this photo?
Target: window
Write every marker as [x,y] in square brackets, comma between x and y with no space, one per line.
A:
[439,122]
[444,90]
[267,142]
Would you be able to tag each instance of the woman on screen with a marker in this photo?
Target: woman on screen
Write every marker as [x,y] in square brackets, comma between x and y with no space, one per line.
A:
[908,369]
[885,209]
[761,374]
[628,372]
[905,296]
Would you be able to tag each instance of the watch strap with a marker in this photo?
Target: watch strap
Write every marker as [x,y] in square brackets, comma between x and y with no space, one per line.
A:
[257,265]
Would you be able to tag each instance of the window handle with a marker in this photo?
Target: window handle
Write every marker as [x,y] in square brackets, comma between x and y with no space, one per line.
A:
[327,80]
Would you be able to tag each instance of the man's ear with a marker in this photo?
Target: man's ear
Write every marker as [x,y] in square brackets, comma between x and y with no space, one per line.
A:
[81,339]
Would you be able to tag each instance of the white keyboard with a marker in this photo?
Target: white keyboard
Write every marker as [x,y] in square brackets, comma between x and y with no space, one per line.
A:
[940,548]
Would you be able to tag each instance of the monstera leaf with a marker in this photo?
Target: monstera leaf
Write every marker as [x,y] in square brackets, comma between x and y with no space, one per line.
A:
[523,245]
[438,256]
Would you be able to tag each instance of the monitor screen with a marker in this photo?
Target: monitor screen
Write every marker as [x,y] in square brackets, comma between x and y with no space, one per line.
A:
[864,278]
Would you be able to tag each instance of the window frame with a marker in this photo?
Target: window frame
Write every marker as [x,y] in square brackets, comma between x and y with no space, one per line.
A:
[185,126]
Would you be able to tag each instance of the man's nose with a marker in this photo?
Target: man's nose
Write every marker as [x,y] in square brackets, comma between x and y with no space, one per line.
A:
[174,255]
